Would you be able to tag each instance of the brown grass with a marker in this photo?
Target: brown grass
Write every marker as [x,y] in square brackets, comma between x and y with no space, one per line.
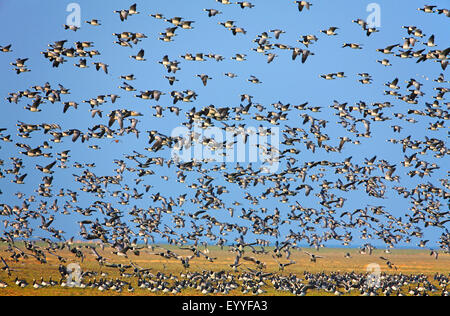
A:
[407,262]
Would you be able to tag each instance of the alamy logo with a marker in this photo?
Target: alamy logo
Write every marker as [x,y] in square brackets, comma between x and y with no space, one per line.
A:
[74,276]
[233,144]
[74,18]
[374,18]
[374,277]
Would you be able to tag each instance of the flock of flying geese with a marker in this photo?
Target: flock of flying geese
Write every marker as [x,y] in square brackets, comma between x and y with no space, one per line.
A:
[114,222]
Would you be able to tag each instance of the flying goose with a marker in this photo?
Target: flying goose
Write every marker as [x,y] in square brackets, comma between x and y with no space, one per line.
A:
[389,263]
[100,65]
[93,22]
[384,62]
[260,265]
[171,79]
[313,257]
[352,45]
[139,56]
[303,4]
[254,80]
[158,16]
[227,24]
[277,33]
[245,4]
[20,62]
[6,49]
[71,27]
[82,64]
[239,57]
[430,42]
[427,8]
[330,31]
[212,12]
[328,76]
[445,12]
[133,10]
[270,57]
[204,78]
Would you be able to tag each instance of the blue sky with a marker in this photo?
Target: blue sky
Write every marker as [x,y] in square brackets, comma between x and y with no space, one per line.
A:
[31,25]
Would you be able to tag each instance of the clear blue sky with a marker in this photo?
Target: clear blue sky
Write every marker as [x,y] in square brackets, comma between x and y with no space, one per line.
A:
[31,25]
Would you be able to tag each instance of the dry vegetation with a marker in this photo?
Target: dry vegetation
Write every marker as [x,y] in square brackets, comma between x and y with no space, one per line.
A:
[407,261]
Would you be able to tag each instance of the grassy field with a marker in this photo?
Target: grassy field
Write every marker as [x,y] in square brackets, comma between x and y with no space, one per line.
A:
[406,261]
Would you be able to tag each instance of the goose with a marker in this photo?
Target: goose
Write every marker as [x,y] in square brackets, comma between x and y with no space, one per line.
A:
[409,42]
[139,56]
[123,14]
[308,39]
[71,27]
[186,25]
[166,38]
[352,45]
[371,30]
[430,42]
[6,49]
[20,62]
[328,76]
[133,10]
[384,62]
[47,169]
[36,285]
[313,257]
[82,64]
[204,78]
[236,30]
[330,31]
[100,65]
[188,56]
[427,8]
[5,267]
[127,87]
[158,16]
[94,22]
[296,52]
[440,79]
[277,33]
[434,253]
[171,79]
[388,49]
[245,4]
[175,20]
[216,57]
[303,4]
[261,265]
[270,57]
[239,57]
[365,80]
[170,31]
[393,84]
[389,263]
[445,12]
[254,80]
[212,12]
[227,24]
[130,77]
[21,283]
[19,179]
